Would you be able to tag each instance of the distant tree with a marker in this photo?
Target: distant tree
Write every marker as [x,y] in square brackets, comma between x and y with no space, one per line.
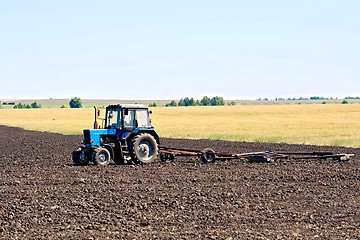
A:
[192,102]
[233,103]
[152,105]
[173,103]
[323,102]
[63,106]
[181,102]
[318,98]
[19,106]
[75,102]
[35,105]
[344,102]
[205,101]
[217,101]
[187,101]
[28,106]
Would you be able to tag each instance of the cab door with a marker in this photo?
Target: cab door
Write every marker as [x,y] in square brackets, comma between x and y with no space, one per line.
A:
[129,122]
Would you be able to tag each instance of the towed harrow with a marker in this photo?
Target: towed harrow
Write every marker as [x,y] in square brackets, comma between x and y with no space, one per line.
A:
[209,156]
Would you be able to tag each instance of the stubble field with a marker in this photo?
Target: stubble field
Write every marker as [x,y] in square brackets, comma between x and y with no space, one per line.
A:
[332,124]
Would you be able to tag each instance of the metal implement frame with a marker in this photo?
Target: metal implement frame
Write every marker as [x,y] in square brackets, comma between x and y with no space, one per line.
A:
[208,155]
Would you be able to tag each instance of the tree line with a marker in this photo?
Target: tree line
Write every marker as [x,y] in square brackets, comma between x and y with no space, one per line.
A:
[205,101]
[32,105]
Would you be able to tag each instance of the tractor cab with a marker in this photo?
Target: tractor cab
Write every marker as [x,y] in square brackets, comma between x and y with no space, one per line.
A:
[127,117]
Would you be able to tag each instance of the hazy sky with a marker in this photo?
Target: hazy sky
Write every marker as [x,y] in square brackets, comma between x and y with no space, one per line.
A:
[170,49]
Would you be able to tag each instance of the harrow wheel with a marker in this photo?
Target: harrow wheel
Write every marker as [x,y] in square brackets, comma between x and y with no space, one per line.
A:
[208,156]
[80,157]
[143,148]
[167,157]
[101,156]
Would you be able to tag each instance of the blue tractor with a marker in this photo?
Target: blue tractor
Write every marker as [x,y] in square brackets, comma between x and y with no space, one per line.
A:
[125,136]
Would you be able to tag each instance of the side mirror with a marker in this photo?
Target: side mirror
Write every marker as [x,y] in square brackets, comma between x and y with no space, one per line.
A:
[126,112]
[150,112]
[98,113]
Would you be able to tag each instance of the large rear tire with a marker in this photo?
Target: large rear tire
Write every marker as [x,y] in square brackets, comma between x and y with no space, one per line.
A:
[101,156]
[143,148]
[80,158]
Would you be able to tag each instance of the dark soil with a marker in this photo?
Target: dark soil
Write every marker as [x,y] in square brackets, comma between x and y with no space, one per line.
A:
[44,196]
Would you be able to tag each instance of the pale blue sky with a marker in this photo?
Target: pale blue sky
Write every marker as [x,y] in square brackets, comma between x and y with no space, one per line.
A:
[170,49]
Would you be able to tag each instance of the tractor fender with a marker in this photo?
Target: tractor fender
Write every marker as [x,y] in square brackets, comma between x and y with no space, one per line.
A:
[150,131]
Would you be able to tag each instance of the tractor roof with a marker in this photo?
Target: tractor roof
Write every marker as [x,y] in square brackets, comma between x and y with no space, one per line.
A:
[127,106]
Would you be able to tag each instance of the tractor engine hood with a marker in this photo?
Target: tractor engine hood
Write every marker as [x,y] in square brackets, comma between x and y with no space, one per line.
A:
[92,136]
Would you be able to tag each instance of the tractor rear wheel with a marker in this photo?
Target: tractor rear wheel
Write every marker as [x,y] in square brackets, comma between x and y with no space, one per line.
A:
[80,157]
[143,148]
[101,156]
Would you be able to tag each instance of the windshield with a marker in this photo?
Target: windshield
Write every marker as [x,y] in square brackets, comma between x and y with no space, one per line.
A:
[112,118]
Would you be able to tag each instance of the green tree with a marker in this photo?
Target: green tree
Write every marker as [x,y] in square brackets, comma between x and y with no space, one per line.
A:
[205,101]
[173,103]
[344,102]
[217,101]
[187,101]
[75,102]
[63,106]
[35,105]
[233,103]
[192,102]
[19,106]
[181,102]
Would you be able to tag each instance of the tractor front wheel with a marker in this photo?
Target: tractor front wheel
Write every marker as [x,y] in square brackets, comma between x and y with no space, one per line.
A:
[80,157]
[101,156]
[143,148]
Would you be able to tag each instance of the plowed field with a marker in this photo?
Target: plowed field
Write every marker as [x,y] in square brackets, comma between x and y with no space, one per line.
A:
[44,196]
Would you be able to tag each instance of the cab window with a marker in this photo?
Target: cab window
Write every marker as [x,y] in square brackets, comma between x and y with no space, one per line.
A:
[129,118]
[142,117]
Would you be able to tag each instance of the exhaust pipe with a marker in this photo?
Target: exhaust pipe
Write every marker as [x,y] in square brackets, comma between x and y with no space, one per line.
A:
[96,116]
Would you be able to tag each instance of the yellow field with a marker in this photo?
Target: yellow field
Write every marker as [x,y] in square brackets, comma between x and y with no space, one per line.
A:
[332,124]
